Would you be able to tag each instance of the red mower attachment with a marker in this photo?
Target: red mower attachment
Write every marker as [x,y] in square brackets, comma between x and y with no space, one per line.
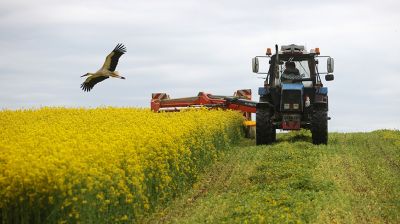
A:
[241,100]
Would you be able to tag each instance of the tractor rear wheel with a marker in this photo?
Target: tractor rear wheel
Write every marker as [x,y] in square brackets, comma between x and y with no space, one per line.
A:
[319,127]
[265,133]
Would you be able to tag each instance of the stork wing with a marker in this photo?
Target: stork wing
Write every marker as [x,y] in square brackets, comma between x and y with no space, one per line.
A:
[112,59]
[88,84]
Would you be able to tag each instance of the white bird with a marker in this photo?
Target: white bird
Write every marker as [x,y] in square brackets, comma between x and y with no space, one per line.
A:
[106,71]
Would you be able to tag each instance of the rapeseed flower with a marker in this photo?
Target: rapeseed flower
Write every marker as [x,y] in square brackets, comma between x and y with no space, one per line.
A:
[104,164]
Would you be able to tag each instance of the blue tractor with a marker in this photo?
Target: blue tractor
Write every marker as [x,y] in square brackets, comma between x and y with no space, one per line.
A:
[293,96]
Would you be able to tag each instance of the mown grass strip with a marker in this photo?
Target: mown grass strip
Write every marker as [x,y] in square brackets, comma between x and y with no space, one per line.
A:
[354,179]
[365,168]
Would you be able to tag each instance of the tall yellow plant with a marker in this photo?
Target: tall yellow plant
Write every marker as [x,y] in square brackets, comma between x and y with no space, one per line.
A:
[105,164]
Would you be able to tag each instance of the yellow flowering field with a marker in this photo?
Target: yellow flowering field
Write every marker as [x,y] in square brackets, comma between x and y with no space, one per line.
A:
[108,165]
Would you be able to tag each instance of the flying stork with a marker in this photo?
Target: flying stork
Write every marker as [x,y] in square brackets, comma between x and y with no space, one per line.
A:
[106,71]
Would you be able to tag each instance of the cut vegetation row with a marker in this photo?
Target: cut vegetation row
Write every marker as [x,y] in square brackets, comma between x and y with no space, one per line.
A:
[354,179]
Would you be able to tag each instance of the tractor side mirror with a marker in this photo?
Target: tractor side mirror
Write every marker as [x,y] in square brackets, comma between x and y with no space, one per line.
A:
[329,77]
[330,65]
[255,64]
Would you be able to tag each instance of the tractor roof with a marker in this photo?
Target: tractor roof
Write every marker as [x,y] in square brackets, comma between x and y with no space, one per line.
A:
[295,52]
[293,48]
[296,56]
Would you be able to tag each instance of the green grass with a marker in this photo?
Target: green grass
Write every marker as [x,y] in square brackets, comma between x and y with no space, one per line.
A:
[354,179]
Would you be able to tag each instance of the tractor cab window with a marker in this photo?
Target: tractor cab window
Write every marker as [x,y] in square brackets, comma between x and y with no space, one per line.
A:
[289,66]
[290,70]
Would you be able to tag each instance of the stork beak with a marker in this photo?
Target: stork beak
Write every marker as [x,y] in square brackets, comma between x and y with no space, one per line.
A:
[84,75]
[122,77]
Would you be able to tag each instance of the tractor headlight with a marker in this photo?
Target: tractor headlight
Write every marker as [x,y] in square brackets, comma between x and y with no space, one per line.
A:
[296,106]
[286,106]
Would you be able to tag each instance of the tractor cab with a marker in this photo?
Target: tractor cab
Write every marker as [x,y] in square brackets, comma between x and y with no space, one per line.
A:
[294,58]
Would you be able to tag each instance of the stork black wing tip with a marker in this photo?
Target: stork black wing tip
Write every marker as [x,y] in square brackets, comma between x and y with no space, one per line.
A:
[120,48]
[85,88]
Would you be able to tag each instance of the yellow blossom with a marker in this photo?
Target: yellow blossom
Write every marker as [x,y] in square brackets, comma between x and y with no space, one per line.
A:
[133,159]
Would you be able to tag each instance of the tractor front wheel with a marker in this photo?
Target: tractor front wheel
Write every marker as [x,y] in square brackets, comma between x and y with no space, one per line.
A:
[319,127]
[265,132]
[273,134]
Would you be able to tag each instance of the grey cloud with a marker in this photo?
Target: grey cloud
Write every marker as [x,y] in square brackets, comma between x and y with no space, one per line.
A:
[183,47]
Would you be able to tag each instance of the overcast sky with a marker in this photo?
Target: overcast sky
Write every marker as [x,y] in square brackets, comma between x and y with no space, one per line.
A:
[182,47]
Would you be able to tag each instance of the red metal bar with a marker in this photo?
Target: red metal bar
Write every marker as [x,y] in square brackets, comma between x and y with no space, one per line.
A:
[162,101]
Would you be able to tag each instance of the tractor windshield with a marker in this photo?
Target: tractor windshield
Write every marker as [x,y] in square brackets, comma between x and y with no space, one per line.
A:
[301,66]
[291,69]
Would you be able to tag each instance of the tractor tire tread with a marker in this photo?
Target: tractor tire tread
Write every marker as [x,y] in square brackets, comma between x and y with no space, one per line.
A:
[265,133]
[319,127]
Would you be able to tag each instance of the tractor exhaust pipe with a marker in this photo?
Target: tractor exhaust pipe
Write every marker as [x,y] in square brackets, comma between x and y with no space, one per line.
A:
[276,65]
